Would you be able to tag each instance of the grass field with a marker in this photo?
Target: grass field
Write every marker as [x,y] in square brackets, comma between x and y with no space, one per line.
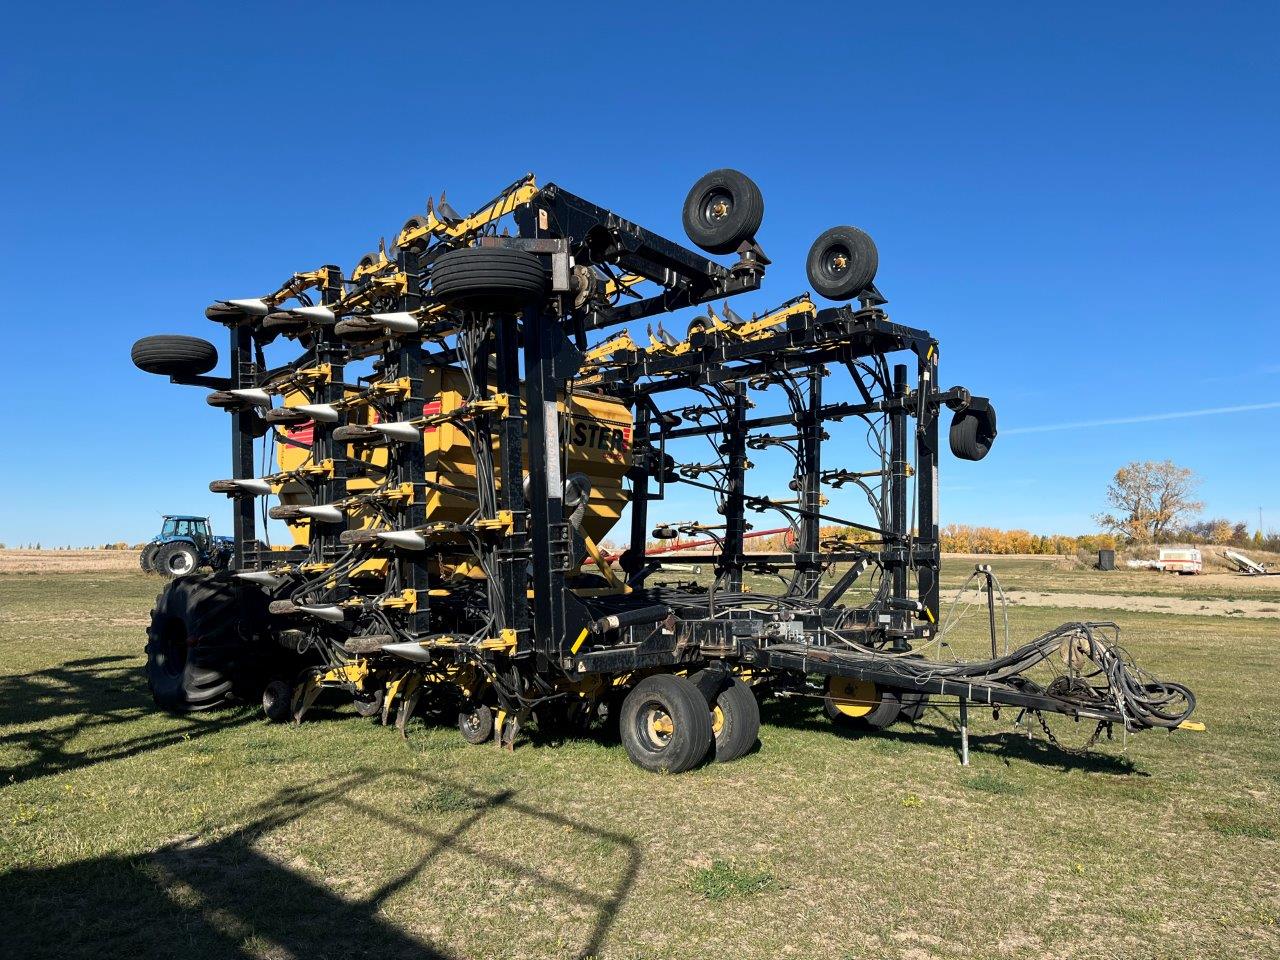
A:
[126,833]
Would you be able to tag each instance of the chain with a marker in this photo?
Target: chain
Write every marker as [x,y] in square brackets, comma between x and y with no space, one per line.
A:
[1088,744]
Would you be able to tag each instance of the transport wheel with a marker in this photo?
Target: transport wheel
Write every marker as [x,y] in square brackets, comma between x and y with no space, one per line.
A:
[475,723]
[860,703]
[147,557]
[369,705]
[197,657]
[277,697]
[735,721]
[489,278]
[174,355]
[973,432]
[723,209]
[842,263]
[665,724]
[176,559]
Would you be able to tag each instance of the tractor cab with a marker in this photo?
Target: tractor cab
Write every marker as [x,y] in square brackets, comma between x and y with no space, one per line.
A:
[195,529]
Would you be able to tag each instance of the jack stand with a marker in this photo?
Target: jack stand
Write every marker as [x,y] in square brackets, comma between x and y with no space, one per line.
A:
[964,731]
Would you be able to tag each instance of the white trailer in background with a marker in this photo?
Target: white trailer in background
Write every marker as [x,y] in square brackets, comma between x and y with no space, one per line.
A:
[1186,560]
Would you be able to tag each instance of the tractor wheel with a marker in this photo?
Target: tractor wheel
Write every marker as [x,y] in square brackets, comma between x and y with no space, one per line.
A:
[735,721]
[723,209]
[665,724]
[489,278]
[475,723]
[174,355]
[197,657]
[842,263]
[176,559]
[146,559]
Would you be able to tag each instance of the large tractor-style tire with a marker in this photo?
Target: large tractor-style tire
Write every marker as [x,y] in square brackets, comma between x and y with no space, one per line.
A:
[973,431]
[665,724]
[735,721]
[842,263]
[200,648]
[489,278]
[723,209]
[174,355]
[177,559]
[146,559]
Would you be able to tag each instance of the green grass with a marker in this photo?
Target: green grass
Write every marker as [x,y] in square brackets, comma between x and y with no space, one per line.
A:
[127,833]
[725,881]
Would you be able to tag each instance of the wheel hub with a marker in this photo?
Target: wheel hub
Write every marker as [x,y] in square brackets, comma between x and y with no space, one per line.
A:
[837,261]
[718,206]
[658,724]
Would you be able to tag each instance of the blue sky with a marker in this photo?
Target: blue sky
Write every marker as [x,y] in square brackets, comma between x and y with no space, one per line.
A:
[1080,203]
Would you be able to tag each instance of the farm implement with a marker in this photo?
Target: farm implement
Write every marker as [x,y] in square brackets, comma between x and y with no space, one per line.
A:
[466,416]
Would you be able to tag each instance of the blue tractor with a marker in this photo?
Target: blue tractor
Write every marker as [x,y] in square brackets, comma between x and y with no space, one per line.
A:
[184,545]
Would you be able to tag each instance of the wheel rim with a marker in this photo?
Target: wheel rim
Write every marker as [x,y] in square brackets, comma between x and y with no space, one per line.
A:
[472,723]
[853,698]
[717,720]
[717,206]
[835,262]
[655,725]
[180,563]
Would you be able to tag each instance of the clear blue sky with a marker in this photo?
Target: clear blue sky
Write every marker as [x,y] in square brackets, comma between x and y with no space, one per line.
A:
[1080,202]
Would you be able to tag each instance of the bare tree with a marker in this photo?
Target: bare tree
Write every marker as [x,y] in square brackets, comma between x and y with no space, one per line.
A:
[1150,498]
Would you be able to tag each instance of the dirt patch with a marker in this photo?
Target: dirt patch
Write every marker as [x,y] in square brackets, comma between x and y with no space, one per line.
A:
[1162,604]
[67,561]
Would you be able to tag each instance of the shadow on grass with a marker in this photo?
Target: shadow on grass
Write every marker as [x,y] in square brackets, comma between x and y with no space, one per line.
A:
[940,730]
[224,897]
[54,706]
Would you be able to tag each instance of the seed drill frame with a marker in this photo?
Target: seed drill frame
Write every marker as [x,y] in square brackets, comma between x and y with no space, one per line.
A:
[365,605]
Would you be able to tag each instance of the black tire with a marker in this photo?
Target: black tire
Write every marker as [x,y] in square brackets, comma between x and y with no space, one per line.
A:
[174,355]
[197,657]
[489,278]
[177,559]
[842,263]
[370,706]
[146,558]
[723,209]
[414,223]
[277,701]
[973,432]
[665,724]
[475,723]
[887,713]
[735,721]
